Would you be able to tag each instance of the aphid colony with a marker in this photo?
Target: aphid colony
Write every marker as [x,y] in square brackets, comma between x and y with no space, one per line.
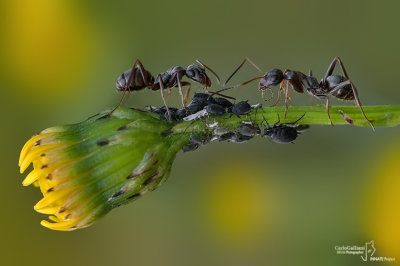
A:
[207,104]
[203,105]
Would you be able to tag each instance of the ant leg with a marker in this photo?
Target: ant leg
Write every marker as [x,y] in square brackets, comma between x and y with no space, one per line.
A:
[137,66]
[332,67]
[356,98]
[124,93]
[240,66]
[217,93]
[178,79]
[163,98]
[310,73]
[287,94]
[184,83]
[327,110]
[212,71]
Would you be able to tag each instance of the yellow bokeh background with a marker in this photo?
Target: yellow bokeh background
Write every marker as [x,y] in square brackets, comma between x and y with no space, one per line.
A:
[257,203]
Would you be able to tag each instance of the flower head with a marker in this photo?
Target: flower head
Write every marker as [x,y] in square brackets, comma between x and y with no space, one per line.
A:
[84,170]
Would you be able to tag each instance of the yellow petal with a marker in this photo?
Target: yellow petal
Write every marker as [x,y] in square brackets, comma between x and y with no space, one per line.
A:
[49,210]
[50,199]
[32,177]
[61,226]
[28,146]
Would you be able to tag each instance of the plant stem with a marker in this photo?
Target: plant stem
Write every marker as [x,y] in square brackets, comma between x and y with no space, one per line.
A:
[381,115]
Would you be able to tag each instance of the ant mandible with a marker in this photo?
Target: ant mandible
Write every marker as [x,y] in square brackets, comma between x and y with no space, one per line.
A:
[339,86]
[138,78]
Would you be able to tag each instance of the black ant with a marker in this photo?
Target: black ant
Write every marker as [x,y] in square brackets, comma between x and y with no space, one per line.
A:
[338,86]
[138,78]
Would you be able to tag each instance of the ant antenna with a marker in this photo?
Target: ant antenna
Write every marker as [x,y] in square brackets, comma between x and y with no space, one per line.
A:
[212,71]
[239,85]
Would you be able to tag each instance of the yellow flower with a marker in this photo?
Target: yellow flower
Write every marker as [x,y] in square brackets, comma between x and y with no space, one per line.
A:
[84,170]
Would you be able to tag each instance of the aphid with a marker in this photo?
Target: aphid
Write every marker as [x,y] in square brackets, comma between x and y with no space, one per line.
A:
[239,138]
[223,102]
[200,140]
[192,108]
[240,108]
[339,86]
[190,147]
[215,109]
[282,133]
[226,136]
[138,78]
[249,130]
[202,99]
[171,115]
[219,131]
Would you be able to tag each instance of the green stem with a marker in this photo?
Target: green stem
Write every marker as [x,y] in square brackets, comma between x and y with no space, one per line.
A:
[381,115]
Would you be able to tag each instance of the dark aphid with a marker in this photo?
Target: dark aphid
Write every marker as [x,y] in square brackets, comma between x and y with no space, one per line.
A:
[226,136]
[215,109]
[195,139]
[249,130]
[190,147]
[301,128]
[223,102]
[194,108]
[282,133]
[239,138]
[200,139]
[189,110]
[171,116]
[240,108]
[181,113]
[202,99]
[219,131]
[156,110]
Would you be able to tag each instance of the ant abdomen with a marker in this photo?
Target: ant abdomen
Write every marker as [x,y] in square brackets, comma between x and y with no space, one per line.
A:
[345,92]
[138,82]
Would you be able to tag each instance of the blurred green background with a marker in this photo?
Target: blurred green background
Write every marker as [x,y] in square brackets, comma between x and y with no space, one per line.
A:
[226,204]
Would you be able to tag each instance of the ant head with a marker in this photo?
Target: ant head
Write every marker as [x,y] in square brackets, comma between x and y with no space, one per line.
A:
[198,74]
[271,78]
